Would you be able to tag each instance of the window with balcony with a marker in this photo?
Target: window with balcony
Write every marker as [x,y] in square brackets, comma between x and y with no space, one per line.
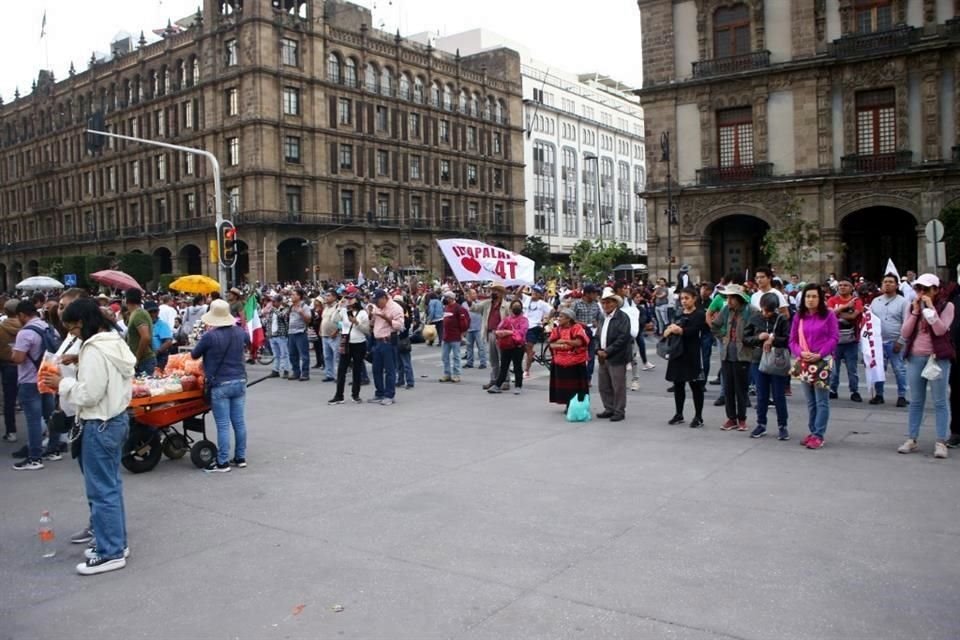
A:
[414,125]
[446,214]
[346,203]
[350,72]
[445,131]
[731,31]
[383,207]
[416,210]
[334,69]
[876,122]
[233,200]
[735,137]
[382,119]
[873,15]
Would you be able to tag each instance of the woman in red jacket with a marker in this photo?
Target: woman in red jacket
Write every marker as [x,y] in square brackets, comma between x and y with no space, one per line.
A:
[568,371]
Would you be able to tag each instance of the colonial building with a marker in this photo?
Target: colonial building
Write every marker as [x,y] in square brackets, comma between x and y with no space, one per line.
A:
[342,148]
[583,133]
[847,107]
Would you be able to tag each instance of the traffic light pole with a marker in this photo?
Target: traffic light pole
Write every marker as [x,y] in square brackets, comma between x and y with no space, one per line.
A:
[217,190]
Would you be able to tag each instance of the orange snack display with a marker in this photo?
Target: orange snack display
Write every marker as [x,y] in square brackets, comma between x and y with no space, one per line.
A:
[47,366]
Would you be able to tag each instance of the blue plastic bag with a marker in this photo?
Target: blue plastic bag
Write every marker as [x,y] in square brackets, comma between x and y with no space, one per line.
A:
[578,410]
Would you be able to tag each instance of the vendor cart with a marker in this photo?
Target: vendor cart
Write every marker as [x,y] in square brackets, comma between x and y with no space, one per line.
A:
[153,431]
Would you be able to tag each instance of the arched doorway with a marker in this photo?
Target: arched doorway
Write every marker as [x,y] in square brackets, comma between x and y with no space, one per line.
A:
[876,234]
[189,260]
[736,245]
[162,262]
[33,268]
[16,274]
[293,260]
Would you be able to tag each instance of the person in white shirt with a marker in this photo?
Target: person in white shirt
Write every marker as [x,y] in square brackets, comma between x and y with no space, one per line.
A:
[354,329]
[764,280]
[537,312]
[168,313]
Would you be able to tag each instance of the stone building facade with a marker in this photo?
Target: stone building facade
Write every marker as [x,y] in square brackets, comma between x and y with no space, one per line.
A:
[342,148]
[845,108]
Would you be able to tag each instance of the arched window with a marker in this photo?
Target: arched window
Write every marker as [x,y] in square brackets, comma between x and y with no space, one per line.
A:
[194,70]
[475,105]
[418,90]
[350,72]
[448,98]
[137,91]
[386,82]
[405,92]
[731,31]
[372,78]
[436,94]
[464,104]
[873,15]
[113,99]
[154,84]
[491,108]
[165,80]
[334,69]
[501,112]
[127,94]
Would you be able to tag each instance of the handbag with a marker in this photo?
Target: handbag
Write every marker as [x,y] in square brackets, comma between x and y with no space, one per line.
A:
[931,371]
[670,348]
[815,373]
[57,422]
[775,362]
[404,345]
[578,409]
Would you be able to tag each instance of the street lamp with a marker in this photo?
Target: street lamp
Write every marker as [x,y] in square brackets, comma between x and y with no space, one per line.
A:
[589,157]
[671,209]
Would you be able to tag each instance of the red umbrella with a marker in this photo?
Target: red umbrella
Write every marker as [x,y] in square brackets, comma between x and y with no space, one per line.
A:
[116,279]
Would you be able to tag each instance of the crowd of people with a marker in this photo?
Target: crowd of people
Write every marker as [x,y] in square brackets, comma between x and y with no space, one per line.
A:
[772,336]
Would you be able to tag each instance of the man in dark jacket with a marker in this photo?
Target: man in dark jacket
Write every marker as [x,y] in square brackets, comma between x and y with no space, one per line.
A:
[613,354]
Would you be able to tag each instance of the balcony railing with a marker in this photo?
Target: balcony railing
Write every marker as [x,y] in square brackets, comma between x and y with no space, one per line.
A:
[43,168]
[44,204]
[741,173]
[860,44]
[731,64]
[897,161]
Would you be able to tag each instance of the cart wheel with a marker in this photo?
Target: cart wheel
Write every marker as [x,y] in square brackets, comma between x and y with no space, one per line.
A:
[142,450]
[203,453]
[265,355]
[175,446]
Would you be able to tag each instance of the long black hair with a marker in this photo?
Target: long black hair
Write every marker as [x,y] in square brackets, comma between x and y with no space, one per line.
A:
[802,302]
[89,315]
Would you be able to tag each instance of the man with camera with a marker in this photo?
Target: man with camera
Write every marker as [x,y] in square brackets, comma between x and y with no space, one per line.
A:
[354,329]
[386,318]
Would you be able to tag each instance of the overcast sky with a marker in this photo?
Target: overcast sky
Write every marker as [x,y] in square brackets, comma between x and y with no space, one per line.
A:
[605,37]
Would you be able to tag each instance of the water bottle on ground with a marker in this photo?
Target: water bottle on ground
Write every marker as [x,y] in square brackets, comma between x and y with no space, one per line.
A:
[48,547]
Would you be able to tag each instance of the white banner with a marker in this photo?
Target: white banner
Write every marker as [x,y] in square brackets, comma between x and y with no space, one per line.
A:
[472,260]
[871,347]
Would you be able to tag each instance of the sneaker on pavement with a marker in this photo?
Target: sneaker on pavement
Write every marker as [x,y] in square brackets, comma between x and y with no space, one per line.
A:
[649,366]
[445,379]
[455,379]
[333,401]
[487,386]
[274,374]
[493,389]
[729,425]
[806,439]
[52,456]
[9,437]
[908,447]
[483,366]
[713,383]
[216,467]
[719,402]
[375,400]
[759,431]
[953,442]
[940,450]
[696,423]
[357,400]
[834,395]
[742,425]
[386,402]
[517,391]
[876,400]
[815,442]
[239,462]
[90,553]
[409,386]
[902,402]
[100,565]
[783,434]
[28,465]
[83,536]
[469,365]
[635,385]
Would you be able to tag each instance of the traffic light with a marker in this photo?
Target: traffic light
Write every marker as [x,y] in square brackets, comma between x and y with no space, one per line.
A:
[227,240]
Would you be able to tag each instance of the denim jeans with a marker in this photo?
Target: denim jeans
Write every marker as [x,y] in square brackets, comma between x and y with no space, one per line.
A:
[331,356]
[37,408]
[818,408]
[299,355]
[385,369]
[404,369]
[895,360]
[101,452]
[281,354]
[8,377]
[777,385]
[850,354]
[475,339]
[918,396]
[227,401]
[147,367]
[450,355]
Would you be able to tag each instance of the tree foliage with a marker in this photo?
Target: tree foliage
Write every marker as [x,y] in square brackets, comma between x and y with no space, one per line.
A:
[594,261]
[794,242]
[537,250]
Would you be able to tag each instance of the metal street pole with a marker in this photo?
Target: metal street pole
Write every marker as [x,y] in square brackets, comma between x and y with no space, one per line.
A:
[217,190]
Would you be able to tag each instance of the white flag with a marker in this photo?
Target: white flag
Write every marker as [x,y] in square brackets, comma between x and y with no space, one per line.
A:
[871,347]
[472,261]
[360,279]
[891,268]
[43,25]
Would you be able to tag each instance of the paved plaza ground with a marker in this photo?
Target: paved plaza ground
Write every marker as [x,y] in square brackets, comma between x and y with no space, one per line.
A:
[457,514]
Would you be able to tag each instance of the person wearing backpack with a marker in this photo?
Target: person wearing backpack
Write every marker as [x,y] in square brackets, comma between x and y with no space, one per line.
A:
[33,340]
[456,322]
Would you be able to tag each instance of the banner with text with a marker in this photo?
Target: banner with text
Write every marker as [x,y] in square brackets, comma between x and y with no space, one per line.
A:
[472,260]
[871,347]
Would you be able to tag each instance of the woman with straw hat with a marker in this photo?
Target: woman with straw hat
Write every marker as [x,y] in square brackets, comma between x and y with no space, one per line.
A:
[221,348]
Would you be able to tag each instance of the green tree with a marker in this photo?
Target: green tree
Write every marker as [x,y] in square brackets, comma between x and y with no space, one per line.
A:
[537,250]
[794,242]
[950,217]
[594,261]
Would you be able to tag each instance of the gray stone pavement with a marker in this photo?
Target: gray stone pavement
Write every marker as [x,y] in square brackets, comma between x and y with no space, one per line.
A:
[456,514]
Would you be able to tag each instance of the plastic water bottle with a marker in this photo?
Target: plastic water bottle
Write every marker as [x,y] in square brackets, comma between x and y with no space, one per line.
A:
[48,547]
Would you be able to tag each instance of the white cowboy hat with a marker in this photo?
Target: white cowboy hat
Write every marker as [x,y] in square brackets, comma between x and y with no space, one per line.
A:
[608,294]
[219,315]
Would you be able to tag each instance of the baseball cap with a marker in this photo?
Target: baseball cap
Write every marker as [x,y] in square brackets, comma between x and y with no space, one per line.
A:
[150,305]
[379,293]
[927,280]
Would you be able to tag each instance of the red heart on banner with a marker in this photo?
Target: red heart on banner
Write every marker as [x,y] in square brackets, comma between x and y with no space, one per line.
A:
[471,265]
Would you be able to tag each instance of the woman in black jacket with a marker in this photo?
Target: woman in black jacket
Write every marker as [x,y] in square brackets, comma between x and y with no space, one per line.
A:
[766,331]
[690,325]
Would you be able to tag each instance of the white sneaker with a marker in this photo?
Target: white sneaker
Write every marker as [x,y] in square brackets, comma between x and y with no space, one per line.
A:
[98,565]
[635,385]
[940,450]
[908,447]
[90,553]
[649,366]
[9,437]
